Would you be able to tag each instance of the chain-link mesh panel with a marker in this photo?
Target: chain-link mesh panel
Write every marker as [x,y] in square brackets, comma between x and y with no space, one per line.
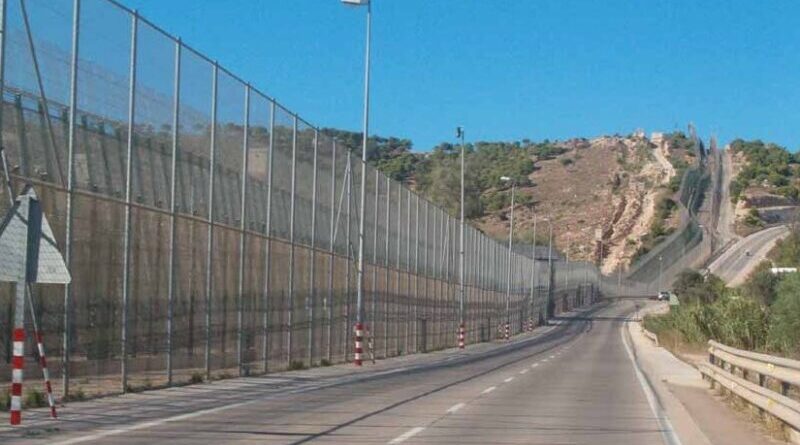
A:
[283,140]
[304,190]
[35,101]
[258,162]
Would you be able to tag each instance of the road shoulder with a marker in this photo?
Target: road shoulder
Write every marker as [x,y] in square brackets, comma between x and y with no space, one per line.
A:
[698,416]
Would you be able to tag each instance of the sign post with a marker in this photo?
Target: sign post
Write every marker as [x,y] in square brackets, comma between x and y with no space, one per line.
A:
[28,254]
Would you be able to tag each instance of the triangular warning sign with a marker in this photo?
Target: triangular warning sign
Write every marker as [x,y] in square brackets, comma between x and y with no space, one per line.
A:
[28,250]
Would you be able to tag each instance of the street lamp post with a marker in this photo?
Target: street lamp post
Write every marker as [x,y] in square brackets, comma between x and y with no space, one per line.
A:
[510,246]
[461,330]
[660,270]
[359,328]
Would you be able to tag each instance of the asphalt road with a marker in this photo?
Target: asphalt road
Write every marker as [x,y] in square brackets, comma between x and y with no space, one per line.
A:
[574,384]
[735,264]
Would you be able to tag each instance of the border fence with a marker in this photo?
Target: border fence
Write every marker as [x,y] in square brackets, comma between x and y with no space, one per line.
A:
[209,230]
[687,247]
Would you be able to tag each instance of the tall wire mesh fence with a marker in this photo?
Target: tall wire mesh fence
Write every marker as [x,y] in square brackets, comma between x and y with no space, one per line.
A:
[688,245]
[212,232]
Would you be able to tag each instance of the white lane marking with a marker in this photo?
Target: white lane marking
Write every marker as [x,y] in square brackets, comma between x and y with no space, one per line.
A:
[178,418]
[489,389]
[407,435]
[455,408]
[508,380]
[552,356]
[534,365]
[154,423]
[544,360]
[670,437]
[523,371]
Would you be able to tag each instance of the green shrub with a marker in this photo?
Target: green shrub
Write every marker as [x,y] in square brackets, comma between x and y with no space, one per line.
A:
[761,284]
[784,329]
[325,362]
[566,161]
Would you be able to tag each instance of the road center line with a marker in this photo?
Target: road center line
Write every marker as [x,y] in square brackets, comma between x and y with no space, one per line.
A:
[455,408]
[508,379]
[407,435]
[552,356]
[489,389]
[534,365]
[523,371]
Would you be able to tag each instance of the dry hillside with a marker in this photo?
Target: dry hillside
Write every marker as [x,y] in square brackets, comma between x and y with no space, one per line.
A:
[605,188]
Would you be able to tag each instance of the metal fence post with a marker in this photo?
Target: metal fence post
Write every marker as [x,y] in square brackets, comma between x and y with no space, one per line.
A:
[210,222]
[268,241]
[173,209]
[3,10]
[408,269]
[312,277]
[416,273]
[386,266]
[76,7]
[349,189]
[426,270]
[397,296]
[292,199]
[373,309]
[329,301]
[127,224]
[435,274]
[242,235]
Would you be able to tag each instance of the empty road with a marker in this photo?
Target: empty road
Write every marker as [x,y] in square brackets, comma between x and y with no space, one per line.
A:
[574,383]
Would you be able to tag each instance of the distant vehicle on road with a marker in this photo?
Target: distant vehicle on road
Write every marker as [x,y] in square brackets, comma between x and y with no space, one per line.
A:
[663,296]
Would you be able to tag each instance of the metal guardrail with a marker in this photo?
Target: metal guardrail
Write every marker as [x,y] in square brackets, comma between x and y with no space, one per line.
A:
[732,369]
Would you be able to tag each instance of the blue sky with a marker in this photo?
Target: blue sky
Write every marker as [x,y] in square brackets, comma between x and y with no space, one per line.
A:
[513,69]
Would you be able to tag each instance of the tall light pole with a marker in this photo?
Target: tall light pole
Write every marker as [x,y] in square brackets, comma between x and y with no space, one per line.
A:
[510,246]
[461,330]
[360,268]
[660,270]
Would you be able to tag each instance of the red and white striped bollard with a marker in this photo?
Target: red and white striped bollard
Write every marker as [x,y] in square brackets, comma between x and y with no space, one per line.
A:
[461,335]
[18,363]
[508,331]
[359,344]
[46,374]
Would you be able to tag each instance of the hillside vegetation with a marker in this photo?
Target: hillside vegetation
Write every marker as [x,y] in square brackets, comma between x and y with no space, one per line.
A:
[766,185]
[767,165]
